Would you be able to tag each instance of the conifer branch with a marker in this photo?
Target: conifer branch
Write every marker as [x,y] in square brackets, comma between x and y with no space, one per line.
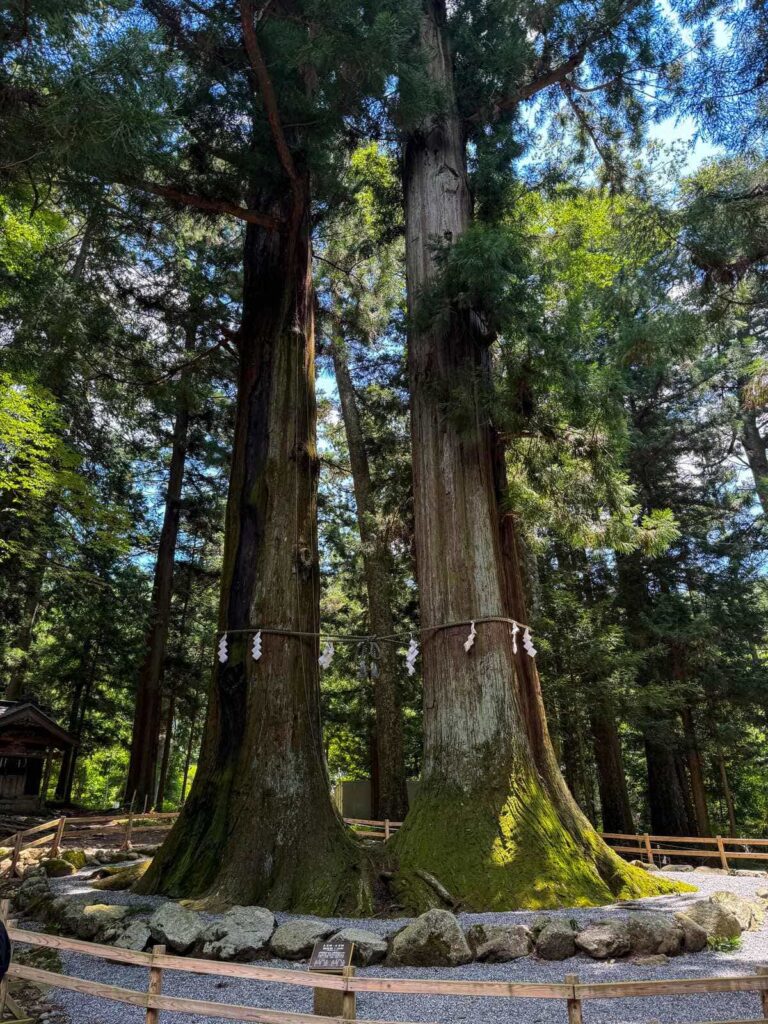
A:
[264,220]
[268,96]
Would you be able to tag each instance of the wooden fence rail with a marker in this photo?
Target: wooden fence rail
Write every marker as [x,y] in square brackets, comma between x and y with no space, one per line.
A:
[651,848]
[153,1002]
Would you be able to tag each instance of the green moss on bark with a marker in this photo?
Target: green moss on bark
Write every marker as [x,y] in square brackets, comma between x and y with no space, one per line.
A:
[508,851]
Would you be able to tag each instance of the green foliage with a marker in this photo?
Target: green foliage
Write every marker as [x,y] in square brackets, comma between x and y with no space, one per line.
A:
[724,944]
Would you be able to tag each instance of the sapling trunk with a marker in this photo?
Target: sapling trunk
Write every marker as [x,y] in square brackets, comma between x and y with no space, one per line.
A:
[390,794]
[142,769]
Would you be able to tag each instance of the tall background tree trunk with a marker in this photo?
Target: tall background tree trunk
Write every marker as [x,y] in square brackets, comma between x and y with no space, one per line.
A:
[615,808]
[388,772]
[492,821]
[145,738]
[259,825]
[696,772]
[754,446]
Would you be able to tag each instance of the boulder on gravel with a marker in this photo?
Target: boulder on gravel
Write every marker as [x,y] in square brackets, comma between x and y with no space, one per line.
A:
[101,923]
[716,920]
[694,936]
[655,960]
[67,912]
[498,944]
[746,912]
[653,932]
[32,892]
[55,867]
[678,867]
[604,939]
[433,940]
[556,941]
[294,939]
[370,948]
[135,936]
[176,927]
[242,934]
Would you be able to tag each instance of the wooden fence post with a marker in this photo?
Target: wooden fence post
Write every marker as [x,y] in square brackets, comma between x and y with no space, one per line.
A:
[56,844]
[5,906]
[128,829]
[574,1003]
[16,853]
[648,848]
[721,850]
[155,986]
[386,829]
[349,1004]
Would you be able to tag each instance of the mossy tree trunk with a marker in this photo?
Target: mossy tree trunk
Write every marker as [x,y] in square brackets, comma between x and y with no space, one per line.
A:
[390,794]
[493,820]
[259,825]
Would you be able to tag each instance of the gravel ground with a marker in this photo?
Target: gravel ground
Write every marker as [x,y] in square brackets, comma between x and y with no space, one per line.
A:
[668,1010]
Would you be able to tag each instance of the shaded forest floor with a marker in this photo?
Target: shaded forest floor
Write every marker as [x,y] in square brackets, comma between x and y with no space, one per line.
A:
[679,1009]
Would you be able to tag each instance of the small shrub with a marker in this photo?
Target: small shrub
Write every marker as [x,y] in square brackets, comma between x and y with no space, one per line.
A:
[723,944]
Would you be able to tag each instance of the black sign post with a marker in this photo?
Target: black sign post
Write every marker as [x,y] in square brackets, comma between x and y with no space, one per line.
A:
[333,956]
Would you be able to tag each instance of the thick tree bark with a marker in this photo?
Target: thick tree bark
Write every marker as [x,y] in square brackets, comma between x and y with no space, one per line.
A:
[666,798]
[388,772]
[696,772]
[492,821]
[259,825]
[611,778]
[755,448]
[145,738]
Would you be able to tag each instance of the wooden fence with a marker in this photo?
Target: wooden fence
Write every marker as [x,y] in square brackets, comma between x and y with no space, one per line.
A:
[571,991]
[52,833]
[653,849]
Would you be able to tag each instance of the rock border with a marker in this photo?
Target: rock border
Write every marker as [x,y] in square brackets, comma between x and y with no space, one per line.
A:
[435,939]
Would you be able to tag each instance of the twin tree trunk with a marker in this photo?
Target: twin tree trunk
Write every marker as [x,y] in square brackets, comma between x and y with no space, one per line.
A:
[390,794]
[259,825]
[145,739]
[493,821]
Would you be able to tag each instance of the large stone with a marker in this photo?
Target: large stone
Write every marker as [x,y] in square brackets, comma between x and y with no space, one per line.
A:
[176,927]
[498,944]
[556,941]
[101,923]
[242,934]
[716,920]
[694,936]
[55,867]
[135,936]
[604,939]
[32,892]
[68,911]
[370,948]
[652,932]
[294,939]
[678,867]
[433,940]
[746,912]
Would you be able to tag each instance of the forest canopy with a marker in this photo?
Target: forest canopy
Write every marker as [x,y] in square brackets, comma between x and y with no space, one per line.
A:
[385,397]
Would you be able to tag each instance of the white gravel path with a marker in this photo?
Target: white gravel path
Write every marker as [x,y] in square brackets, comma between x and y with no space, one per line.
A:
[668,1010]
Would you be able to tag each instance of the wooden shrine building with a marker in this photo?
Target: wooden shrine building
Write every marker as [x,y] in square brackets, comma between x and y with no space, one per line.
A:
[29,742]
